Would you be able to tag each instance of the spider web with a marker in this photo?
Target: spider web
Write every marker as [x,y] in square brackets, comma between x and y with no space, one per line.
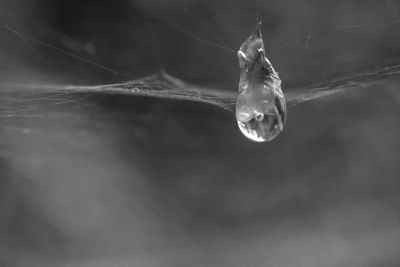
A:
[165,86]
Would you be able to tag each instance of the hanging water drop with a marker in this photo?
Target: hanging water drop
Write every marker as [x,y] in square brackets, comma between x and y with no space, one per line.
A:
[261,105]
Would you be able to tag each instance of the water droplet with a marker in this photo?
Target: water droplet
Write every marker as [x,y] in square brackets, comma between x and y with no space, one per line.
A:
[261,105]
[135,90]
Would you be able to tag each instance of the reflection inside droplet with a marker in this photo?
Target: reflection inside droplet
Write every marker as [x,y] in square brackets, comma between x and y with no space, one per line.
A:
[261,105]
[260,120]
[258,116]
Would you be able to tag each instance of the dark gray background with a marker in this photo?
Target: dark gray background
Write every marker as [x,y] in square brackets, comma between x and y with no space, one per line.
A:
[94,180]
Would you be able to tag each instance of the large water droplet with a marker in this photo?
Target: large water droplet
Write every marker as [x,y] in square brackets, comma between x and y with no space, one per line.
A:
[261,105]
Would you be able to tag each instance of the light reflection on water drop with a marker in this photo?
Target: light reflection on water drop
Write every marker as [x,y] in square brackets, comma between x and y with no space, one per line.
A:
[261,105]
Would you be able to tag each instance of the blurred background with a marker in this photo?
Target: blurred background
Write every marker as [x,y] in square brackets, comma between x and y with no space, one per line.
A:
[106,180]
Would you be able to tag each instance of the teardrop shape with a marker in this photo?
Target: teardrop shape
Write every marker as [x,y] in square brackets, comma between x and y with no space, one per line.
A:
[261,105]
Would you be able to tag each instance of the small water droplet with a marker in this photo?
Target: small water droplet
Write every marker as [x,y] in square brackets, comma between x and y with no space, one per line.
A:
[261,105]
